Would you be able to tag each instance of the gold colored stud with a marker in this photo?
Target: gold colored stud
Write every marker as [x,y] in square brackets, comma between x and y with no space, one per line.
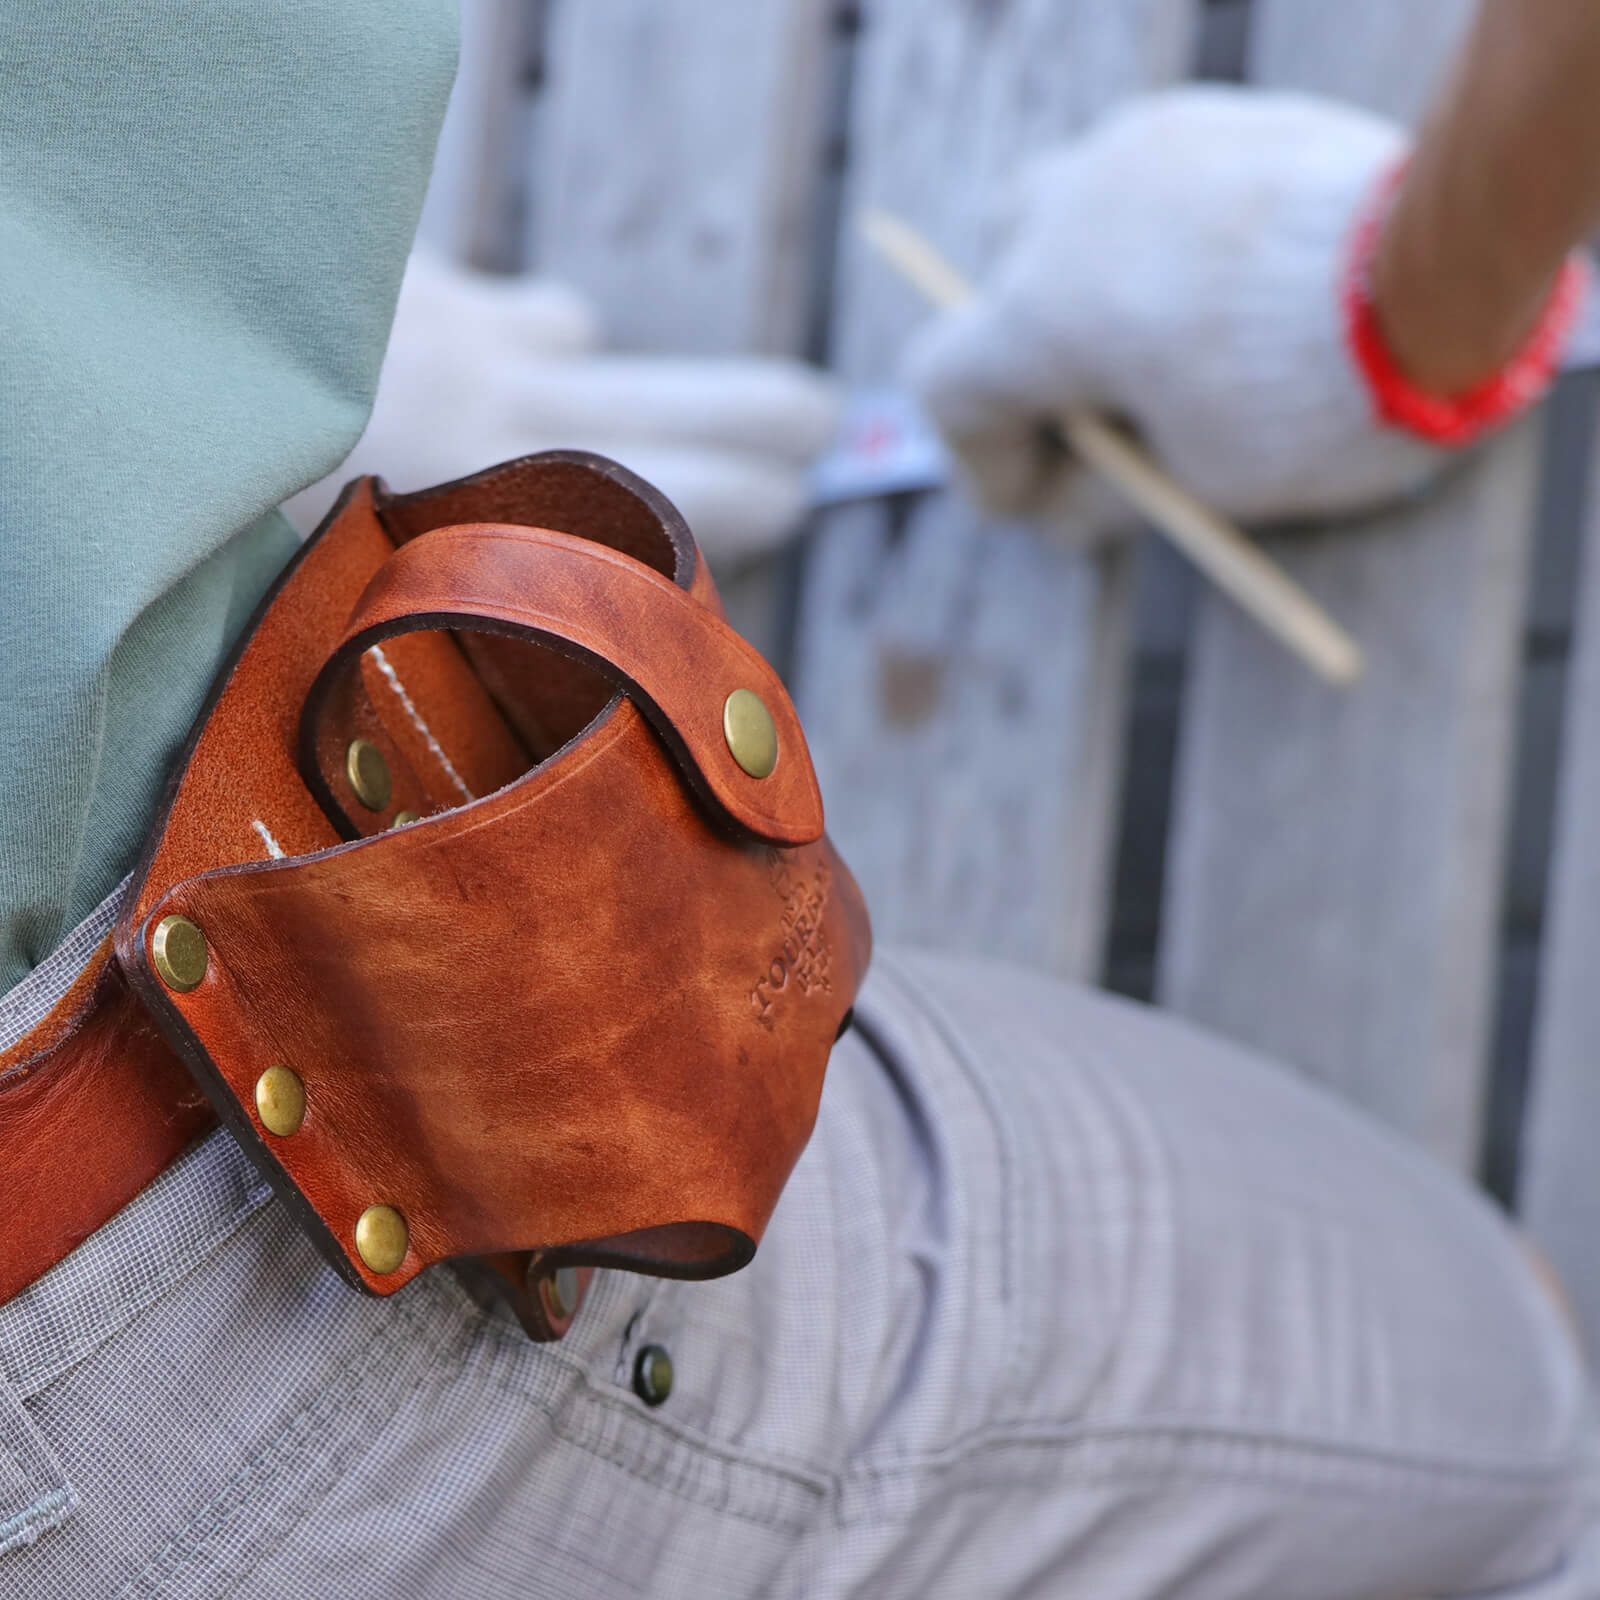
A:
[381,1238]
[280,1101]
[747,726]
[560,1292]
[368,773]
[178,953]
[401,818]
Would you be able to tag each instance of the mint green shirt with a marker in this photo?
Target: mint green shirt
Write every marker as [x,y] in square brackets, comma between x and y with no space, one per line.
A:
[205,209]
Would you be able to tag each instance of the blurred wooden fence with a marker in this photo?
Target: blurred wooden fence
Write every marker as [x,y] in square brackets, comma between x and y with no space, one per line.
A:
[1353,881]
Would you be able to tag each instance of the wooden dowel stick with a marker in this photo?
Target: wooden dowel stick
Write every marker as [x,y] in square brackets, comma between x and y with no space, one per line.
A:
[1238,566]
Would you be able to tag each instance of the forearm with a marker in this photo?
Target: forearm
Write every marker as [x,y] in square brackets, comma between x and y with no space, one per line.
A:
[1504,181]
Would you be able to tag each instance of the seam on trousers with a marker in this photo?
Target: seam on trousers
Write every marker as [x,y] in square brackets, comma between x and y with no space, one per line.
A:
[31,1381]
[597,1424]
[194,1552]
[1074,1433]
[43,1515]
[977,1081]
[891,1496]
[1243,1454]
[35,1495]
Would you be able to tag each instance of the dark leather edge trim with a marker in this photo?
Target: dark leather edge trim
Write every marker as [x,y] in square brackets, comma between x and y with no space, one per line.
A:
[611,1255]
[345,659]
[128,939]
[685,551]
[231,1112]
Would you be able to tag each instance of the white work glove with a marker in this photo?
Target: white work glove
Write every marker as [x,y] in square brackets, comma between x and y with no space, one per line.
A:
[1180,267]
[480,369]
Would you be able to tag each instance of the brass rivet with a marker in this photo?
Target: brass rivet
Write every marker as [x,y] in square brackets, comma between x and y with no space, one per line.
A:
[560,1291]
[381,1238]
[652,1375]
[280,1101]
[178,950]
[368,773]
[401,818]
[752,738]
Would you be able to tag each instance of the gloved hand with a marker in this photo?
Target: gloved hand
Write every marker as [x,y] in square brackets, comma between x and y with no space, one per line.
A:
[1181,266]
[480,369]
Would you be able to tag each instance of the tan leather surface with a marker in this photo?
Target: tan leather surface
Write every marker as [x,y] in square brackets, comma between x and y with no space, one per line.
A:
[579,1014]
[677,660]
[547,698]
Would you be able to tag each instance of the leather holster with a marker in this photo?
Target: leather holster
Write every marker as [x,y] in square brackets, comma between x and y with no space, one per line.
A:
[579,1011]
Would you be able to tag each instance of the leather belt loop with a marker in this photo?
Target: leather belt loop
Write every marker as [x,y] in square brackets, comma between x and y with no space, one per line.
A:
[675,658]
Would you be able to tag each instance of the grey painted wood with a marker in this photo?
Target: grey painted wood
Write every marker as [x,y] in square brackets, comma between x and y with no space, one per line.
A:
[963,684]
[678,162]
[1381,54]
[1336,860]
[962,692]
[1334,889]
[1559,1194]
[479,168]
[677,174]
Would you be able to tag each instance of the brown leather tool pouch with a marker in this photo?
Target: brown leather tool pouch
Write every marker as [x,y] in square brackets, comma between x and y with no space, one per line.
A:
[578,1011]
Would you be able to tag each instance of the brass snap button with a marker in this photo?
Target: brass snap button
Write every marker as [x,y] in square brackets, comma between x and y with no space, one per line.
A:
[381,1238]
[403,818]
[368,773]
[280,1101]
[652,1375]
[748,727]
[178,953]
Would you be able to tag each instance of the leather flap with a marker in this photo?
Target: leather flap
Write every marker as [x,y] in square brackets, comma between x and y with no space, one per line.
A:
[675,658]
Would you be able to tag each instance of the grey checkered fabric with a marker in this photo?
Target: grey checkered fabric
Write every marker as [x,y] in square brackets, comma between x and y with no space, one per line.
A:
[35,997]
[1063,1299]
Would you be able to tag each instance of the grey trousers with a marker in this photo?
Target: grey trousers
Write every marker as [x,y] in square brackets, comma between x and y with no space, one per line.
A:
[1064,1299]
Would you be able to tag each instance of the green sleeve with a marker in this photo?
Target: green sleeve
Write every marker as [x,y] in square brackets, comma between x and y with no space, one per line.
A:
[205,208]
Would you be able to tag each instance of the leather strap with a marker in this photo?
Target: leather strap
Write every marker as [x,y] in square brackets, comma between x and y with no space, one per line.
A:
[675,658]
[93,1106]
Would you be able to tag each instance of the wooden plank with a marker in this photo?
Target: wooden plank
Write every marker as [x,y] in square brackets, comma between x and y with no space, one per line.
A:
[962,683]
[1386,57]
[1559,1193]
[1335,882]
[962,692]
[678,163]
[1336,862]
[471,212]
[678,172]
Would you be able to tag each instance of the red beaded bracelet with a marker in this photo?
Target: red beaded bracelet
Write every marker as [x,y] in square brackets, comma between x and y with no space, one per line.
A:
[1457,419]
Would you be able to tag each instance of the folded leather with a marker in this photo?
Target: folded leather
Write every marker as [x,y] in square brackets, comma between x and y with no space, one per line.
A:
[663,649]
[583,1006]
